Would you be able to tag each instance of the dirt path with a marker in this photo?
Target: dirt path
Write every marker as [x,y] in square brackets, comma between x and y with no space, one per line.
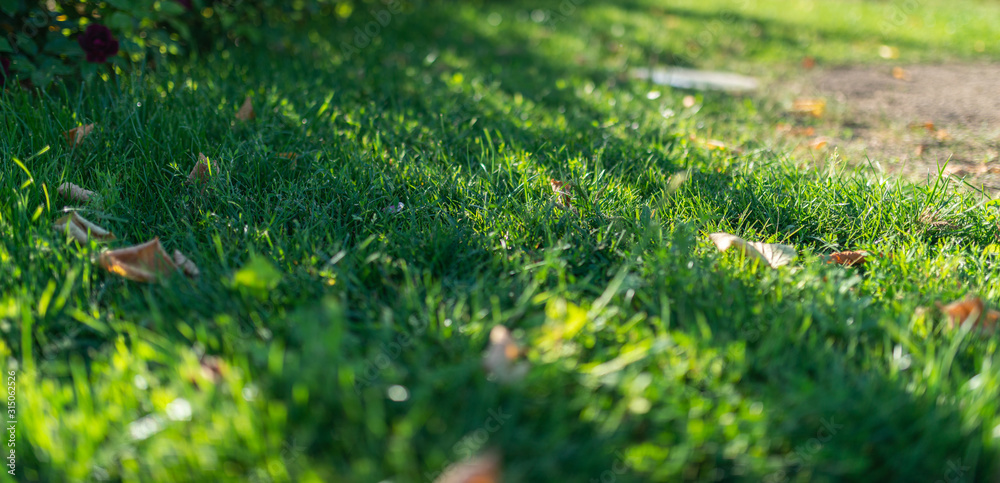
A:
[911,118]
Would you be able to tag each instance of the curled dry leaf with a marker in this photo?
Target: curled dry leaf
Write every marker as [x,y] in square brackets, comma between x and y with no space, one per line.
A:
[246,112]
[73,192]
[812,107]
[481,469]
[185,264]
[848,258]
[970,309]
[75,136]
[82,229]
[774,254]
[147,262]
[502,356]
[199,173]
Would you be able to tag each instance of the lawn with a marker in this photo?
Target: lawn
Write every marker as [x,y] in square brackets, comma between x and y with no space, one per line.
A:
[360,238]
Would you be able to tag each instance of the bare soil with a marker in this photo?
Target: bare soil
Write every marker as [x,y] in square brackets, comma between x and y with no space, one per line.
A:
[911,119]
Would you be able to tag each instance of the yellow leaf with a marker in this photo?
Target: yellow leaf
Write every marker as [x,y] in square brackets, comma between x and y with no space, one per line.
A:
[813,107]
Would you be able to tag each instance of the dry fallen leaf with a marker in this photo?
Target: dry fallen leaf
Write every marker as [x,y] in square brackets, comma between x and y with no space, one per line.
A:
[970,309]
[74,192]
[900,74]
[199,173]
[942,135]
[480,469]
[819,143]
[812,107]
[185,264]
[82,229]
[246,112]
[920,149]
[774,254]
[849,258]
[75,136]
[502,356]
[147,262]
[808,62]
[563,190]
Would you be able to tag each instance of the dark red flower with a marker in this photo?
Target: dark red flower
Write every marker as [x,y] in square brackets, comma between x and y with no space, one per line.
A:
[98,43]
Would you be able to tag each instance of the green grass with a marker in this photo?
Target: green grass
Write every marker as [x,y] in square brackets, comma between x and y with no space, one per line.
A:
[650,352]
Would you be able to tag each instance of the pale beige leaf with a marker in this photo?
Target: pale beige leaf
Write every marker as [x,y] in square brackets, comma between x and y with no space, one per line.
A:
[185,264]
[82,229]
[75,136]
[74,192]
[501,359]
[147,262]
[246,112]
[774,254]
[480,469]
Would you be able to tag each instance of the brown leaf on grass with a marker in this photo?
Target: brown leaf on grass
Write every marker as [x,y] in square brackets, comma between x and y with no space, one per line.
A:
[82,229]
[75,136]
[899,73]
[246,112]
[185,264]
[74,192]
[971,309]
[480,469]
[808,62]
[563,190]
[774,254]
[501,359]
[147,262]
[848,258]
[920,149]
[807,106]
[199,173]
[942,135]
